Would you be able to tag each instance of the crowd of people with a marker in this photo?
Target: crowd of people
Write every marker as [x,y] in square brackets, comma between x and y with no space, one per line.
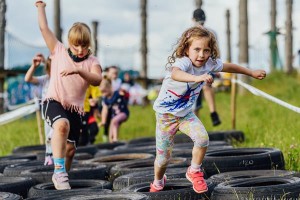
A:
[79,97]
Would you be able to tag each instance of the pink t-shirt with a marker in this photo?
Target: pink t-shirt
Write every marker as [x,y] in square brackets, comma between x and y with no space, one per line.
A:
[68,90]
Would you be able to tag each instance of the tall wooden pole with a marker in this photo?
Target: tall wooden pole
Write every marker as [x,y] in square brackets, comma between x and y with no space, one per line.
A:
[228,35]
[57,27]
[2,51]
[243,39]
[288,68]
[144,48]
[95,37]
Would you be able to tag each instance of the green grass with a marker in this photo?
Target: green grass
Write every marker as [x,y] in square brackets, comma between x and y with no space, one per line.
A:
[264,123]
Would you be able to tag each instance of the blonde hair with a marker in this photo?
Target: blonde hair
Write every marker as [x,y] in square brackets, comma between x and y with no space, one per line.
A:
[80,34]
[106,82]
[186,39]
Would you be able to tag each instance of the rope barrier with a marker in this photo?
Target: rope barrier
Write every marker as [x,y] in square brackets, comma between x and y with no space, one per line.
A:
[258,92]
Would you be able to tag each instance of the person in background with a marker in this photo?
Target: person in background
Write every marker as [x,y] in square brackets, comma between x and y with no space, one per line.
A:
[73,69]
[116,102]
[113,75]
[189,68]
[89,130]
[199,18]
[43,82]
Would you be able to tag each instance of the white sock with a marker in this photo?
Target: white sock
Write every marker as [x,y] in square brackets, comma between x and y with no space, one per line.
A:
[195,167]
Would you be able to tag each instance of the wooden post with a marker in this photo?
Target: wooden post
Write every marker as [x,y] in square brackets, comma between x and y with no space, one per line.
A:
[2,49]
[40,126]
[233,102]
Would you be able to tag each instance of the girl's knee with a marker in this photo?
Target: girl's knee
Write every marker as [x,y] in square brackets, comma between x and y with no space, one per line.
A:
[62,126]
[201,141]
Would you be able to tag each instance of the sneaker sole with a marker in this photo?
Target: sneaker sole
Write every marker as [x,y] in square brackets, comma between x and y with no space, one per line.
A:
[57,188]
[197,191]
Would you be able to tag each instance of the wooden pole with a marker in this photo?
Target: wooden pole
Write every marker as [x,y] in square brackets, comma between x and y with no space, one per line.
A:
[233,102]
[40,126]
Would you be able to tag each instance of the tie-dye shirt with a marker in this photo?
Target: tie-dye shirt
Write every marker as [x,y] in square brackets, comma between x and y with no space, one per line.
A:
[176,97]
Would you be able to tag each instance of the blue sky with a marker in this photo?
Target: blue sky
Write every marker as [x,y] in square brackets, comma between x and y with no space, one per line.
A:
[120,26]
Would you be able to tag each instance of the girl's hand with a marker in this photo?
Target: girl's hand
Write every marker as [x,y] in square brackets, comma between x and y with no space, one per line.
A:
[68,72]
[258,74]
[37,60]
[206,78]
[40,3]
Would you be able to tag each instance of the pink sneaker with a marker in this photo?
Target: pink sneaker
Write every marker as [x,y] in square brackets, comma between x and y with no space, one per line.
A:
[199,184]
[154,188]
[48,160]
[61,181]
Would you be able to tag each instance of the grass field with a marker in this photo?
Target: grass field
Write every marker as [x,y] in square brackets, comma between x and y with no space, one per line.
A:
[264,123]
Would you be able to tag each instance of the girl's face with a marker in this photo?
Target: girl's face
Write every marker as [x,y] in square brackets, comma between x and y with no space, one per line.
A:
[105,89]
[199,51]
[79,50]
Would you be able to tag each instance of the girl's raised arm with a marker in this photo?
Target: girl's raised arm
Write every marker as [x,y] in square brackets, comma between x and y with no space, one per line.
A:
[48,35]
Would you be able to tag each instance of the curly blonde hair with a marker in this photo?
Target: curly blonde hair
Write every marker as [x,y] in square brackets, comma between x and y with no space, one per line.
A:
[186,39]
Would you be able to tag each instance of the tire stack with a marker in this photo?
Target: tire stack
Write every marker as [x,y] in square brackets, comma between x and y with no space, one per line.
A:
[124,170]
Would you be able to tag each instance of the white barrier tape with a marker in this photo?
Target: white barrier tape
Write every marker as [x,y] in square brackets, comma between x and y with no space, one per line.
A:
[258,92]
[14,107]
[16,114]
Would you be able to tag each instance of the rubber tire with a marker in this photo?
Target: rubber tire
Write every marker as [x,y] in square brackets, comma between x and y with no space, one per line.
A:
[142,165]
[174,189]
[9,196]
[229,136]
[16,185]
[258,188]
[229,176]
[45,189]
[239,159]
[95,195]
[112,160]
[16,169]
[145,176]
[43,174]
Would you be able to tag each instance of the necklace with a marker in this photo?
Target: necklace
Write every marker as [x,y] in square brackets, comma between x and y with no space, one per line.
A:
[76,58]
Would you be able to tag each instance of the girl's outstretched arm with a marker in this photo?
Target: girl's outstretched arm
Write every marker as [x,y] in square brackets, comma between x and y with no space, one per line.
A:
[234,68]
[48,35]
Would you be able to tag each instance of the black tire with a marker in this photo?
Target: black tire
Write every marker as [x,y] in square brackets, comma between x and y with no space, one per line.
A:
[81,185]
[9,196]
[142,165]
[146,149]
[119,158]
[16,169]
[43,174]
[95,196]
[258,188]
[29,149]
[141,140]
[229,136]
[239,159]
[19,156]
[229,176]
[174,189]
[90,149]
[102,146]
[5,163]
[16,185]
[145,176]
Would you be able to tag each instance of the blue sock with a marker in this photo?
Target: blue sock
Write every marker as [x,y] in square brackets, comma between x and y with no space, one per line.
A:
[59,165]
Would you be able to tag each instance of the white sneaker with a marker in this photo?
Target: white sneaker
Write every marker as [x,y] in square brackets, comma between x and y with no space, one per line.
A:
[61,181]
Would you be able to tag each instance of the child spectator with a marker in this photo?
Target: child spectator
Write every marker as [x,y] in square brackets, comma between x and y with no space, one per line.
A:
[42,81]
[116,102]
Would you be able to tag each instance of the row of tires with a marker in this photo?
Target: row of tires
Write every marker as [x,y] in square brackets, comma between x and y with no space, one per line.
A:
[125,170]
